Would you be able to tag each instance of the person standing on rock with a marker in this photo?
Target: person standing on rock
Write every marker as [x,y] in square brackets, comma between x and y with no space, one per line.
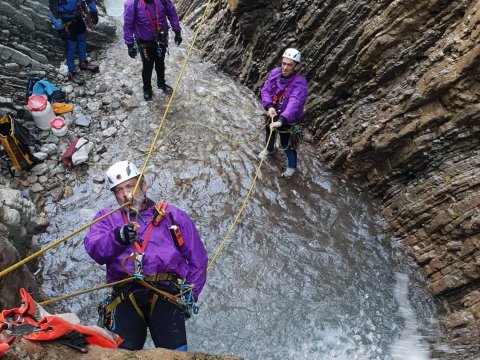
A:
[160,246]
[68,19]
[283,97]
[145,27]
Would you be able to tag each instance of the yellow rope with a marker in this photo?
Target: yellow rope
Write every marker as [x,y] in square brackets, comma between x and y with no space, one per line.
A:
[152,147]
[222,244]
[88,290]
[59,241]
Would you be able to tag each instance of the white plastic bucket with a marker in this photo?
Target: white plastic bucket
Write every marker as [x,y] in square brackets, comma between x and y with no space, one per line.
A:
[59,126]
[41,111]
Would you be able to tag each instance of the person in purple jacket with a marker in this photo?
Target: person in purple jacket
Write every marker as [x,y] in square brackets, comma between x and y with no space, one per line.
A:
[283,97]
[157,243]
[145,27]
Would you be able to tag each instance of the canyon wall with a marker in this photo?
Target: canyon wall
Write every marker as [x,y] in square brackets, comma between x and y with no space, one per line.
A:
[394,105]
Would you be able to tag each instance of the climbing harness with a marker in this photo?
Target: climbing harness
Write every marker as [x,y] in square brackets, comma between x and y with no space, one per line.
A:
[176,292]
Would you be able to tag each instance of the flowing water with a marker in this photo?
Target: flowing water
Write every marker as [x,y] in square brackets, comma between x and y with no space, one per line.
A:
[309,271]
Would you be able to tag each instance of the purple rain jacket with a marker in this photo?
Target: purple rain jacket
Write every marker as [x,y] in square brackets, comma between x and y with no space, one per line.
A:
[292,105]
[161,254]
[141,26]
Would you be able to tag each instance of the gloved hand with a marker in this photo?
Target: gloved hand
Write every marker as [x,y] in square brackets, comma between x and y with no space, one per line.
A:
[126,235]
[94,17]
[178,38]
[132,51]
[62,34]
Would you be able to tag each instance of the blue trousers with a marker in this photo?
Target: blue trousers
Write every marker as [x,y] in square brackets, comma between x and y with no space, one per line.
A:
[285,142]
[76,40]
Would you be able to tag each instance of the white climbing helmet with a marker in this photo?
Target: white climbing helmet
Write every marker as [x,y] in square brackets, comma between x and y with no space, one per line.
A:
[292,54]
[119,172]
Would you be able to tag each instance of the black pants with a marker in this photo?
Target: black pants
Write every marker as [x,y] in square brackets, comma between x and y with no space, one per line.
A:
[152,54]
[166,323]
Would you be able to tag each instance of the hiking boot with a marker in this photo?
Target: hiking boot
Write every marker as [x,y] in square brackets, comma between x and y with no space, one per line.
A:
[165,88]
[75,78]
[265,154]
[147,95]
[288,173]
[85,65]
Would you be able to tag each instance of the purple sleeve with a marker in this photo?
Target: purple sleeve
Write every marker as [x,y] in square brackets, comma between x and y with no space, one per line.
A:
[194,251]
[100,242]
[296,100]
[172,15]
[128,25]
[267,91]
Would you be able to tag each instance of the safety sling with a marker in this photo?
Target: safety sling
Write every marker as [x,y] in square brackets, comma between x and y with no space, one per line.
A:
[15,138]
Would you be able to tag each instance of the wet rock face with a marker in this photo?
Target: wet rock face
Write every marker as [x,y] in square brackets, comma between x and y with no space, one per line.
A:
[393,103]
[18,219]
[28,43]
[18,278]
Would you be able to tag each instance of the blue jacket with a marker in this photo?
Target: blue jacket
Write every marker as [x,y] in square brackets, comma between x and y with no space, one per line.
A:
[67,9]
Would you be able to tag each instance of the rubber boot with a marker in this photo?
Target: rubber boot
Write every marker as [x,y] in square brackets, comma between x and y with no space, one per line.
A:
[75,78]
[147,95]
[85,65]
[165,88]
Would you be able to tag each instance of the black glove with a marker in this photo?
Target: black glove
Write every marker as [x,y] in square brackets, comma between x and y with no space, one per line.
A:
[178,38]
[94,17]
[62,34]
[125,235]
[132,51]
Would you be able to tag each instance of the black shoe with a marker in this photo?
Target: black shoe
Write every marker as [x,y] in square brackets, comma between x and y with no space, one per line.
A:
[147,95]
[85,65]
[75,78]
[165,88]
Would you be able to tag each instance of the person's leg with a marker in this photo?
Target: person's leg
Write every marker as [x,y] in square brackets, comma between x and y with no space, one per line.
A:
[129,325]
[289,152]
[82,47]
[271,143]
[72,39]
[71,47]
[160,66]
[147,53]
[167,326]
[160,70]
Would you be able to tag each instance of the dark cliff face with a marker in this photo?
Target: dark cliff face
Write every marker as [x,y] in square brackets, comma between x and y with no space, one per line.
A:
[28,44]
[394,104]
